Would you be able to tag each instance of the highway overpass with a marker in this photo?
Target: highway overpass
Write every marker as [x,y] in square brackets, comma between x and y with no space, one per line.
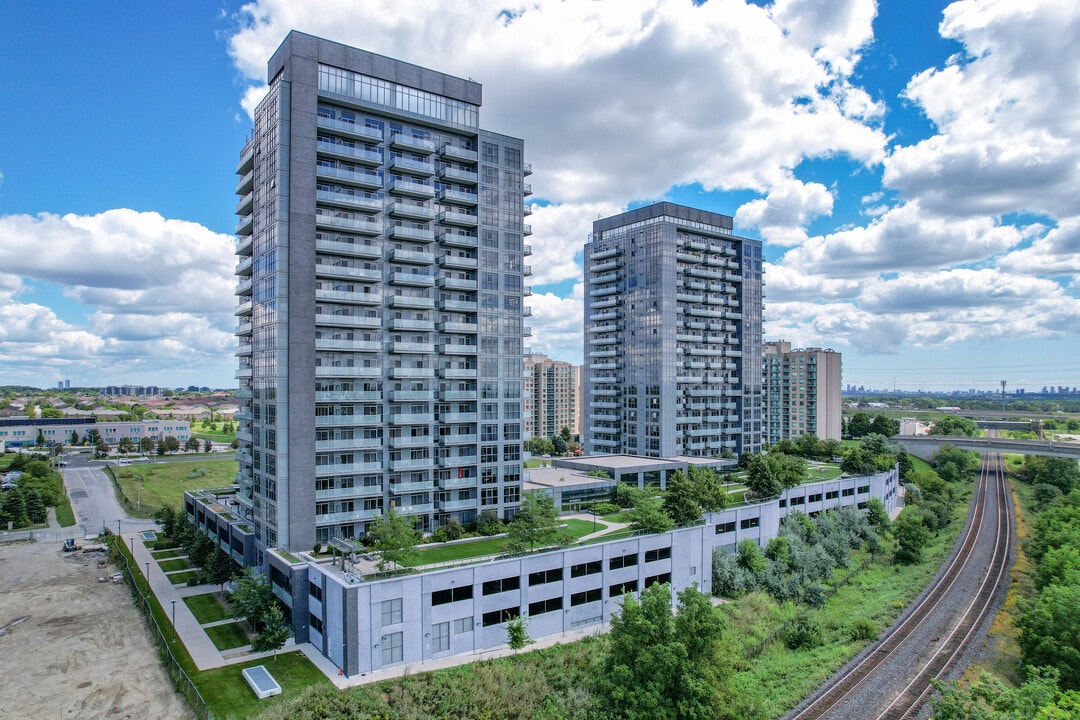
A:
[924,446]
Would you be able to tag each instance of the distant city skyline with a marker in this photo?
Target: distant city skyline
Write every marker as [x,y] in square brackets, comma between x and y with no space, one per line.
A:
[911,169]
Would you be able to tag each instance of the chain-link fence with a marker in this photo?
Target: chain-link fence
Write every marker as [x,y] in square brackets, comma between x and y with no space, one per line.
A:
[184,684]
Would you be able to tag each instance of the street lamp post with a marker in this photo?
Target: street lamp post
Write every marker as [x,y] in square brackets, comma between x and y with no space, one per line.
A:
[148,573]
[118,528]
[174,616]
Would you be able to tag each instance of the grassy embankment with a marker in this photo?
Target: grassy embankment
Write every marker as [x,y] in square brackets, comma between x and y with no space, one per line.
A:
[164,483]
[224,689]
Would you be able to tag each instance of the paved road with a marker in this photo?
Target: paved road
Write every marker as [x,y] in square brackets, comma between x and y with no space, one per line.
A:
[94,500]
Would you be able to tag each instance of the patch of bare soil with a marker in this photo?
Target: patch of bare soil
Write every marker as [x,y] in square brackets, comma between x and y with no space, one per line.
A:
[81,649]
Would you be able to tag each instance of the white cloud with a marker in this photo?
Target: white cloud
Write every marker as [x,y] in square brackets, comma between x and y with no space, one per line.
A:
[557,324]
[786,210]
[1056,253]
[1006,114]
[904,238]
[619,102]
[159,293]
[560,233]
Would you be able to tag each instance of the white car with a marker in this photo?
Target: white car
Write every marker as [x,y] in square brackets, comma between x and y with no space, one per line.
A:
[142,458]
[123,461]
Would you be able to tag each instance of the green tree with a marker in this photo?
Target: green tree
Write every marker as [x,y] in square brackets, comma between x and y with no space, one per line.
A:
[991,699]
[171,444]
[878,515]
[101,448]
[74,437]
[1062,473]
[160,448]
[955,425]
[252,598]
[858,425]
[218,568]
[146,445]
[660,667]
[15,508]
[192,444]
[535,525]
[1050,632]
[488,523]
[166,519]
[517,633]
[208,445]
[125,445]
[275,631]
[911,536]
[40,437]
[885,426]
[680,499]
[395,537]
[648,514]
[808,445]
[953,464]
[35,507]
[768,475]
[749,555]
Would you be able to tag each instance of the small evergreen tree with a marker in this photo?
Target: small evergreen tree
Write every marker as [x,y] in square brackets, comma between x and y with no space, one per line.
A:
[35,507]
[275,631]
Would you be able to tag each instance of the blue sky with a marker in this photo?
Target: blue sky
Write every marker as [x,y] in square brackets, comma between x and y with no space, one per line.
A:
[913,168]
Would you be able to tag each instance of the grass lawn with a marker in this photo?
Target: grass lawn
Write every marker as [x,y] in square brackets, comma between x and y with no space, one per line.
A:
[823,472]
[206,608]
[181,578]
[224,689]
[215,434]
[230,697]
[64,514]
[166,554]
[488,546]
[164,483]
[228,636]
[174,564]
[535,463]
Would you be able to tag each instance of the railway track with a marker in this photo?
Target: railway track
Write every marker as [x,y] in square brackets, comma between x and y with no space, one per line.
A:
[969,574]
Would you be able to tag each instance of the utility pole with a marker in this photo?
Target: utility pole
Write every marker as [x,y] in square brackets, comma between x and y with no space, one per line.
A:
[1002,396]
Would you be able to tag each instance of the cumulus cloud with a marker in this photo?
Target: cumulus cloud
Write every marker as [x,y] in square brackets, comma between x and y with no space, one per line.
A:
[159,292]
[619,102]
[560,233]
[1005,113]
[557,324]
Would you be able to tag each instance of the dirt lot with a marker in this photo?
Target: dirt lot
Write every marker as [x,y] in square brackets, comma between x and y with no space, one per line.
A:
[82,651]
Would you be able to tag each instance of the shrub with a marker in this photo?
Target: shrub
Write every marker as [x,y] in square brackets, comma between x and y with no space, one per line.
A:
[605,508]
[862,630]
[803,631]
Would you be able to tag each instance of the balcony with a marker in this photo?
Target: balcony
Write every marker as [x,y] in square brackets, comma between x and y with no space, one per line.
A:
[457,394]
[247,181]
[411,372]
[412,303]
[350,128]
[350,444]
[347,371]
[450,505]
[452,283]
[411,395]
[412,280]
[339,247]
[458,439]
[348,396]
[247,158]
[461,219]
[341,272]
[453,174]
[410,441]
[243,245]
[243,285]
[347,517]
[410,143]
[460,154]
[526,230]
[458,197]
[457,262]
[458,373]
[347,296]
[411,419]
[456,349]
[243,328]
[411,188]
[244,225]
[329,219]
[352,153]
[409,324]
[422,168]
[351,201]
[411,348]
[353,321]
[404,232]
[348,345]
[526,189]
[457,238]
[368,179]
[243,308]
[243,207]
[412,211]
[411,257]
[458,305]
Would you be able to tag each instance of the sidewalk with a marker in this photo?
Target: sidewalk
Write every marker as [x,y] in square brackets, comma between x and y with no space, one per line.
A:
[203,652]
